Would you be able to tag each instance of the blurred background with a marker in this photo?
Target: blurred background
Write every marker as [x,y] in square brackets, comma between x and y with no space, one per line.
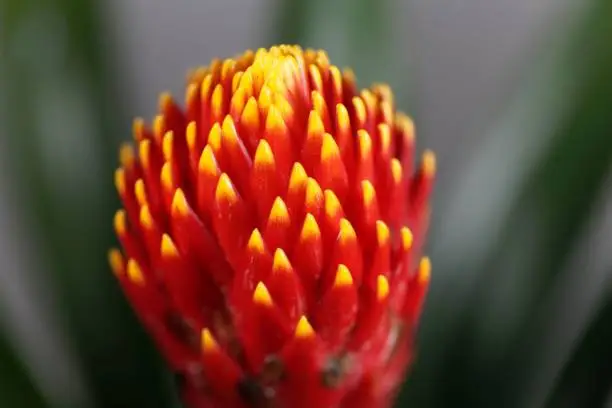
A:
[515,97]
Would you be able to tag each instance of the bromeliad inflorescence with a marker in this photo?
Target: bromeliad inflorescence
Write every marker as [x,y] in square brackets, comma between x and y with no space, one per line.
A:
[271,234]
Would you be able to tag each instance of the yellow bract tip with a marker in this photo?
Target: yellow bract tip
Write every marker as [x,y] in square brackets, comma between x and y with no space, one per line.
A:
[429,163]
[313,191]
[407,238]
[144,151]
[140,192]
[168,249]
[138,125]
[281,262]
[115,259]
[332,204]
[310,229]
[146,219]
[343,276]
[208,342]
[261,296]
[179,202]
[298,177]
[214,137]
[120,222]
[424,270]
[159,123]
[396,170]
[342,117]
[279,212]
[228,131]
[382,287]
[382,233]
[275,121]
[190,134]
[166,176]
[225,190]
[365,143]
[369,193]
[126,155]
[315,124]
[256,242]
[250,114]
[208,162]
[134,272]
[165,100]
[120,181]
[360,109]
[347,232]
[216,101]
[329,148]
[167,145]
[304,329]
[384,133]
[263,154]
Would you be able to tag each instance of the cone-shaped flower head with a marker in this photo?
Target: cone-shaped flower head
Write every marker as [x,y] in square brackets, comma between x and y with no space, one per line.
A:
[271,232]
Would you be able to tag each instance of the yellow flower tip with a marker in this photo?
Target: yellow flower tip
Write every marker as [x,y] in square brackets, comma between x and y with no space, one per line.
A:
[120,222]
[250,114]
[256,242]
[115,260]
[274,120]
[120,181]
[168,249]
[159,124]
[365,143]
[315,124]
[165,101]
[140,192]
[216,102]
[360,109]
[279,212]
[313,192]
[342,117]
[318,103]
[310,229]
[138,125]
[126,155]
[214,137]
[134,273]
[263,154]
[144,151]
[406,125]
[382,233]
[261,295]
[191,93]
[190,135]
[424,273]
[146,219]
[228,131]
[298,177]
[281,262]
[343,276]
[384,132]
[329,148]
[166,176]
[208,342]
[208,163]
[179,202]
[382,287]
[369,193]
[347,232]
[303,329]
[167,145]
[332,204]
[225,191]
[407,238]
[396,171]
[429,164]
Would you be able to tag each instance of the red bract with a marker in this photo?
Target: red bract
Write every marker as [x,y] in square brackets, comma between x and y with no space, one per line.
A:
[271,233]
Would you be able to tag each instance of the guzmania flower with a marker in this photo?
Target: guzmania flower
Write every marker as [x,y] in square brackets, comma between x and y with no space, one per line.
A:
[271,233]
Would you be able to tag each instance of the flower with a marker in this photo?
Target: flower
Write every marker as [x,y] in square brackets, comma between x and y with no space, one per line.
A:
[271,233]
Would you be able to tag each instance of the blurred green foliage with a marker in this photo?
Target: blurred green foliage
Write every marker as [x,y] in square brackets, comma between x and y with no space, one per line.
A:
[472,353]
